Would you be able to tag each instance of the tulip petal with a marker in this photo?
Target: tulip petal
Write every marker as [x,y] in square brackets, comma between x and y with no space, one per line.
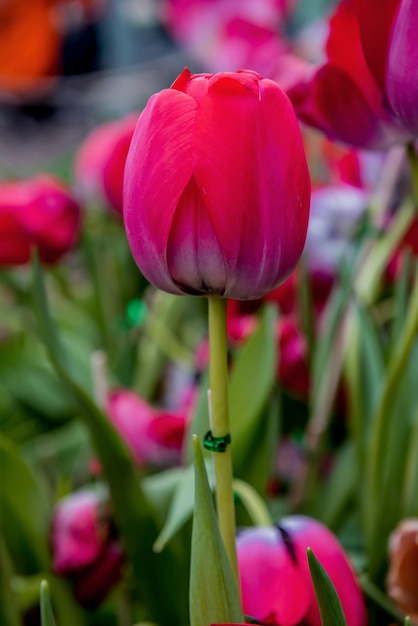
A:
[402,69]
[236,142]
[375,20]
[274,589]
[193,253]
[160,152]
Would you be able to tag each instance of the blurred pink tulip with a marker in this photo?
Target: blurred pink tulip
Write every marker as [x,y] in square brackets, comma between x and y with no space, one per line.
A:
[155,437]
[99,164]
[36,213]
[274,572]
[83,546]
[402,574]
[388,35]
[342,96]
[217,188]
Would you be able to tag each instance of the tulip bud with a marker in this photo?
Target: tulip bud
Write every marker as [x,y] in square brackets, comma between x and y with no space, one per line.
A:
[275,581]
[216,196]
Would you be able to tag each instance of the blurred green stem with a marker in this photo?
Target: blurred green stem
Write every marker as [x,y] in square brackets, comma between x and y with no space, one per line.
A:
[219,423]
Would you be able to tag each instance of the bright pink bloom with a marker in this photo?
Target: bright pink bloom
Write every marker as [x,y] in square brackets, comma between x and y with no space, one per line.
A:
[388,33]
[155,437]
[342,97]
[83,546]
[100,162]
[275,580]
[217,187]
[36,213]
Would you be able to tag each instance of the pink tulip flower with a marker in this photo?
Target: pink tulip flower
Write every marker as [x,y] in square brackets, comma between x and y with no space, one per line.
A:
[216,198]
[83,546]
[36,213]
[275,580]
[388,36]
[155,437]
[342,96]
[99,164]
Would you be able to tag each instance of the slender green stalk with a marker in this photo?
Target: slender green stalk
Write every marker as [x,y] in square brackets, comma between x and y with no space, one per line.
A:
[219,423]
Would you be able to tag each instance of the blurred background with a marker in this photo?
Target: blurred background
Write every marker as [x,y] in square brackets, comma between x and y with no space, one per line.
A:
[67,65]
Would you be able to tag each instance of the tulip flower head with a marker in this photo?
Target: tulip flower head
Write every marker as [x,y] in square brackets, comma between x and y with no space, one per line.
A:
[403,566]
[216,195]
[275,580]
[36,213]
[84,548]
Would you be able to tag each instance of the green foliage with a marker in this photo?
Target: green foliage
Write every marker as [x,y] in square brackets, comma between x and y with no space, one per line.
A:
[214,597]
[329,603]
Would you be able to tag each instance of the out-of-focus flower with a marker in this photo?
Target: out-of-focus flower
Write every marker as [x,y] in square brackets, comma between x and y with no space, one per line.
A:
[223,35]
[389,44]
[342,97]
[36,213]
[217,188]
[293,368]
[155,437]
[83,545]
[401,582]
[100,163]
[274,573]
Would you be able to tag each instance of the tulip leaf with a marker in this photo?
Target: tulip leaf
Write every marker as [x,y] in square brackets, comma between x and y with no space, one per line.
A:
[253,503]
[214,596]
[252,380]
[330,608]
[390,434]
[9,614]
[133,512]
[180,510]
[20,493]
[47,617]
[368,280]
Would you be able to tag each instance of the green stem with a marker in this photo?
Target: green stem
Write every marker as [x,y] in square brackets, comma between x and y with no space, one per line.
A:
[219,423]
[413,164]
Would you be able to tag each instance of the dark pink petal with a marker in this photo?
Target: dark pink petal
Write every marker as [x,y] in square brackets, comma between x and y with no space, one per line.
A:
[375,18]
[402,69]
[343,98]
[158,168]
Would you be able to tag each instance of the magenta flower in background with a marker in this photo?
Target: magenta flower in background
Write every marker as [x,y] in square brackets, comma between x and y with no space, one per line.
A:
[274,573]
[388,35]
[217,187]
[83,545]
[155,437]
[36,213]
[99,164]
[342,97]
